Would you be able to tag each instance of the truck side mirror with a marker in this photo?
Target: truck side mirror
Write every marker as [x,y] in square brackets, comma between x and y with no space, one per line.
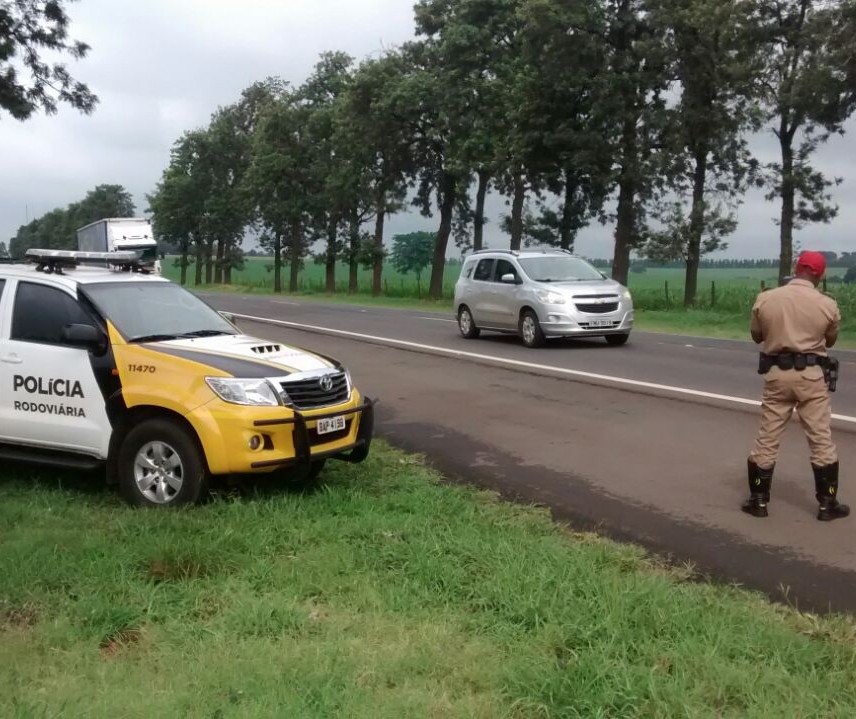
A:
[228,316]
[86,337]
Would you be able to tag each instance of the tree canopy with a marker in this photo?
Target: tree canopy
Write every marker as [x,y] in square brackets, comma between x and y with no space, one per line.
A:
[30,29]
[633,113]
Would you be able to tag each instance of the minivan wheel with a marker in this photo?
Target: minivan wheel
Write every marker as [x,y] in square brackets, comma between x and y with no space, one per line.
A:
[466,324]
[617,340]
[530,330]
[160,465]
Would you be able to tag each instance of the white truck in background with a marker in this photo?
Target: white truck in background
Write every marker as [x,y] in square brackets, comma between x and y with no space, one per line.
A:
[122,234]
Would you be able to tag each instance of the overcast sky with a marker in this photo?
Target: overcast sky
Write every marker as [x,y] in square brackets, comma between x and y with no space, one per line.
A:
[161,67]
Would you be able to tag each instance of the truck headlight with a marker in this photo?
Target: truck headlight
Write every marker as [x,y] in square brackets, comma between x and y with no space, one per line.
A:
[252,392]
[549,297]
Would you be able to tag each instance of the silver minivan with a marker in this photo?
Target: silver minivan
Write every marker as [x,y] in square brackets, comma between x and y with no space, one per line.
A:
[539,294]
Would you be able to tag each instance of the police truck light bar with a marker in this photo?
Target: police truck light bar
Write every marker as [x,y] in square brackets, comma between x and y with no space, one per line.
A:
[54,261]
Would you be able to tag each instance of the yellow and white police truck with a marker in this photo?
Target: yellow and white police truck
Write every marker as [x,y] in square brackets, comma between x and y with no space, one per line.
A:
[104,365]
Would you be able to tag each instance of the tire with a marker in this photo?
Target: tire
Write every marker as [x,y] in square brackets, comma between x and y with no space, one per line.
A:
[466,324]
[617,340]
[530,330]
[160,464]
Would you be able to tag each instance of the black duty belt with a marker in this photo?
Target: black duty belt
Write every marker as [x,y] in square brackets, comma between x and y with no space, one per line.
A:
[790,361]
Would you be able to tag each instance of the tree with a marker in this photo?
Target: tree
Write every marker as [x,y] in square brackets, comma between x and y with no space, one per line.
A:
[57,229]
[558,124]
[628,107]
[282,182]
[177,205]
[370,128]
[28,28]
[340,164]
[413,253]
[672,240]
[808,97]
[714,49]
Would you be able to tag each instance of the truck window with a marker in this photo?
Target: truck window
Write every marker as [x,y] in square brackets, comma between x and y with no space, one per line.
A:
[41,312]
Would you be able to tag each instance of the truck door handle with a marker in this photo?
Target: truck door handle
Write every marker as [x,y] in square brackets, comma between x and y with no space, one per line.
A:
[11,359]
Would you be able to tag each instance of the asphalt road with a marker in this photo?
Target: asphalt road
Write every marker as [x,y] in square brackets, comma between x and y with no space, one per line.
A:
[646,442]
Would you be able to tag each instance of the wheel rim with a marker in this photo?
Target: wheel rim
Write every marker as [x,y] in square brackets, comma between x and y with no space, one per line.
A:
[528,330]
[159,472]
[466,322]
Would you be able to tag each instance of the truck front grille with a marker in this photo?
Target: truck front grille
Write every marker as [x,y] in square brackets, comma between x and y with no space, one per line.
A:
[309,393]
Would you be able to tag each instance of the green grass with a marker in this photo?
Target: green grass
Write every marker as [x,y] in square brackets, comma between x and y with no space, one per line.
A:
[387,594]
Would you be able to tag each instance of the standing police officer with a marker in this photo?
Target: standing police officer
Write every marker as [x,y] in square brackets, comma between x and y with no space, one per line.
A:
[796,324]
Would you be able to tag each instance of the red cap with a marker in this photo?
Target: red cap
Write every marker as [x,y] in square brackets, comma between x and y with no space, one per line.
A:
[814,262]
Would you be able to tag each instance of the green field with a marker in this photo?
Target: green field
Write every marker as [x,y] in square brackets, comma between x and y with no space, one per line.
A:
[386,594]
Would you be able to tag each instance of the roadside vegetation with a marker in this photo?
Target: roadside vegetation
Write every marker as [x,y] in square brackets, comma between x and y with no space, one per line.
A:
[722,310]
[386,593]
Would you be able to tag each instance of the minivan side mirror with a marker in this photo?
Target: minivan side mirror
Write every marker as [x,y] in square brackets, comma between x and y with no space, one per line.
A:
[509,279]
[86,337]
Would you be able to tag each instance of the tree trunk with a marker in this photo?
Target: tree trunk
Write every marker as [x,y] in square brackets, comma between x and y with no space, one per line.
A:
[696,228]
[277,263]
[218,264]
[566,229]
[184,260]
[296,254]
[200,262]
[786,229]
[448,195]
[479,221]
[330,260]
[353,256]
[377,272]
[517,212]
[625,229]
[209,262]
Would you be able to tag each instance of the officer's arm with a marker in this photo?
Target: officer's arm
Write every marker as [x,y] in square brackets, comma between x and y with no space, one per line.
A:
[755,327]
[834,328]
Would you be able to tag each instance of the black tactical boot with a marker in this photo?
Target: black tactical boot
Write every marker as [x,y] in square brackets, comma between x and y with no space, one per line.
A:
[826,488]
[760,481]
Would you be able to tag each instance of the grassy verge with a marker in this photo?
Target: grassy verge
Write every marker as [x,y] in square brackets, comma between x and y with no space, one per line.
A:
[386,594]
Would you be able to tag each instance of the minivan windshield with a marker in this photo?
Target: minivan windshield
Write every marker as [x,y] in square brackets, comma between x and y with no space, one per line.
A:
[155,311]
[559,269]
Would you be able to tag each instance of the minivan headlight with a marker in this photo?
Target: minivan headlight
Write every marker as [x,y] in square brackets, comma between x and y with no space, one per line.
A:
[549,297]
[251,392]
[625,294]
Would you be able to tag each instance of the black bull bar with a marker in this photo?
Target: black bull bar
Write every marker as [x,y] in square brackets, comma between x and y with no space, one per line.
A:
[354,453]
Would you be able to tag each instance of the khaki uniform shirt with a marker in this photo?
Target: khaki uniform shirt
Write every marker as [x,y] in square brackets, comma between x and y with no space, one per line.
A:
[796,318]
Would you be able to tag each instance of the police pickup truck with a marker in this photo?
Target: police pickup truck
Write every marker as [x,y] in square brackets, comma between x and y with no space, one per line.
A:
[104,365]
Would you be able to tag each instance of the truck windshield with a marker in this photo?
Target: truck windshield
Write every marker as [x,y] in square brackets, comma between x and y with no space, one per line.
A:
[152,311]
[147,253]
[559,269]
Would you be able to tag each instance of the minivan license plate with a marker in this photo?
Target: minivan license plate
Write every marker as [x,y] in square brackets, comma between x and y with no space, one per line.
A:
[600,323]
[330,424]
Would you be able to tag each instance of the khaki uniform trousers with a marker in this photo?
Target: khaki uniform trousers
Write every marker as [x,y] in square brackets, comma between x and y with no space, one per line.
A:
[807,393]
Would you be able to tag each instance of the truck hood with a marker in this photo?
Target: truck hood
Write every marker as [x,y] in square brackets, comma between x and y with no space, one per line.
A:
[246,356]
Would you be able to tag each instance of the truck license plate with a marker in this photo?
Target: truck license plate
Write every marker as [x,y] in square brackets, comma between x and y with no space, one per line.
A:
[330,424]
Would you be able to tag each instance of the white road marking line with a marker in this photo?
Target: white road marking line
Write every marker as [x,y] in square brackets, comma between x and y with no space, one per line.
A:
[438,319]
[526,365]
